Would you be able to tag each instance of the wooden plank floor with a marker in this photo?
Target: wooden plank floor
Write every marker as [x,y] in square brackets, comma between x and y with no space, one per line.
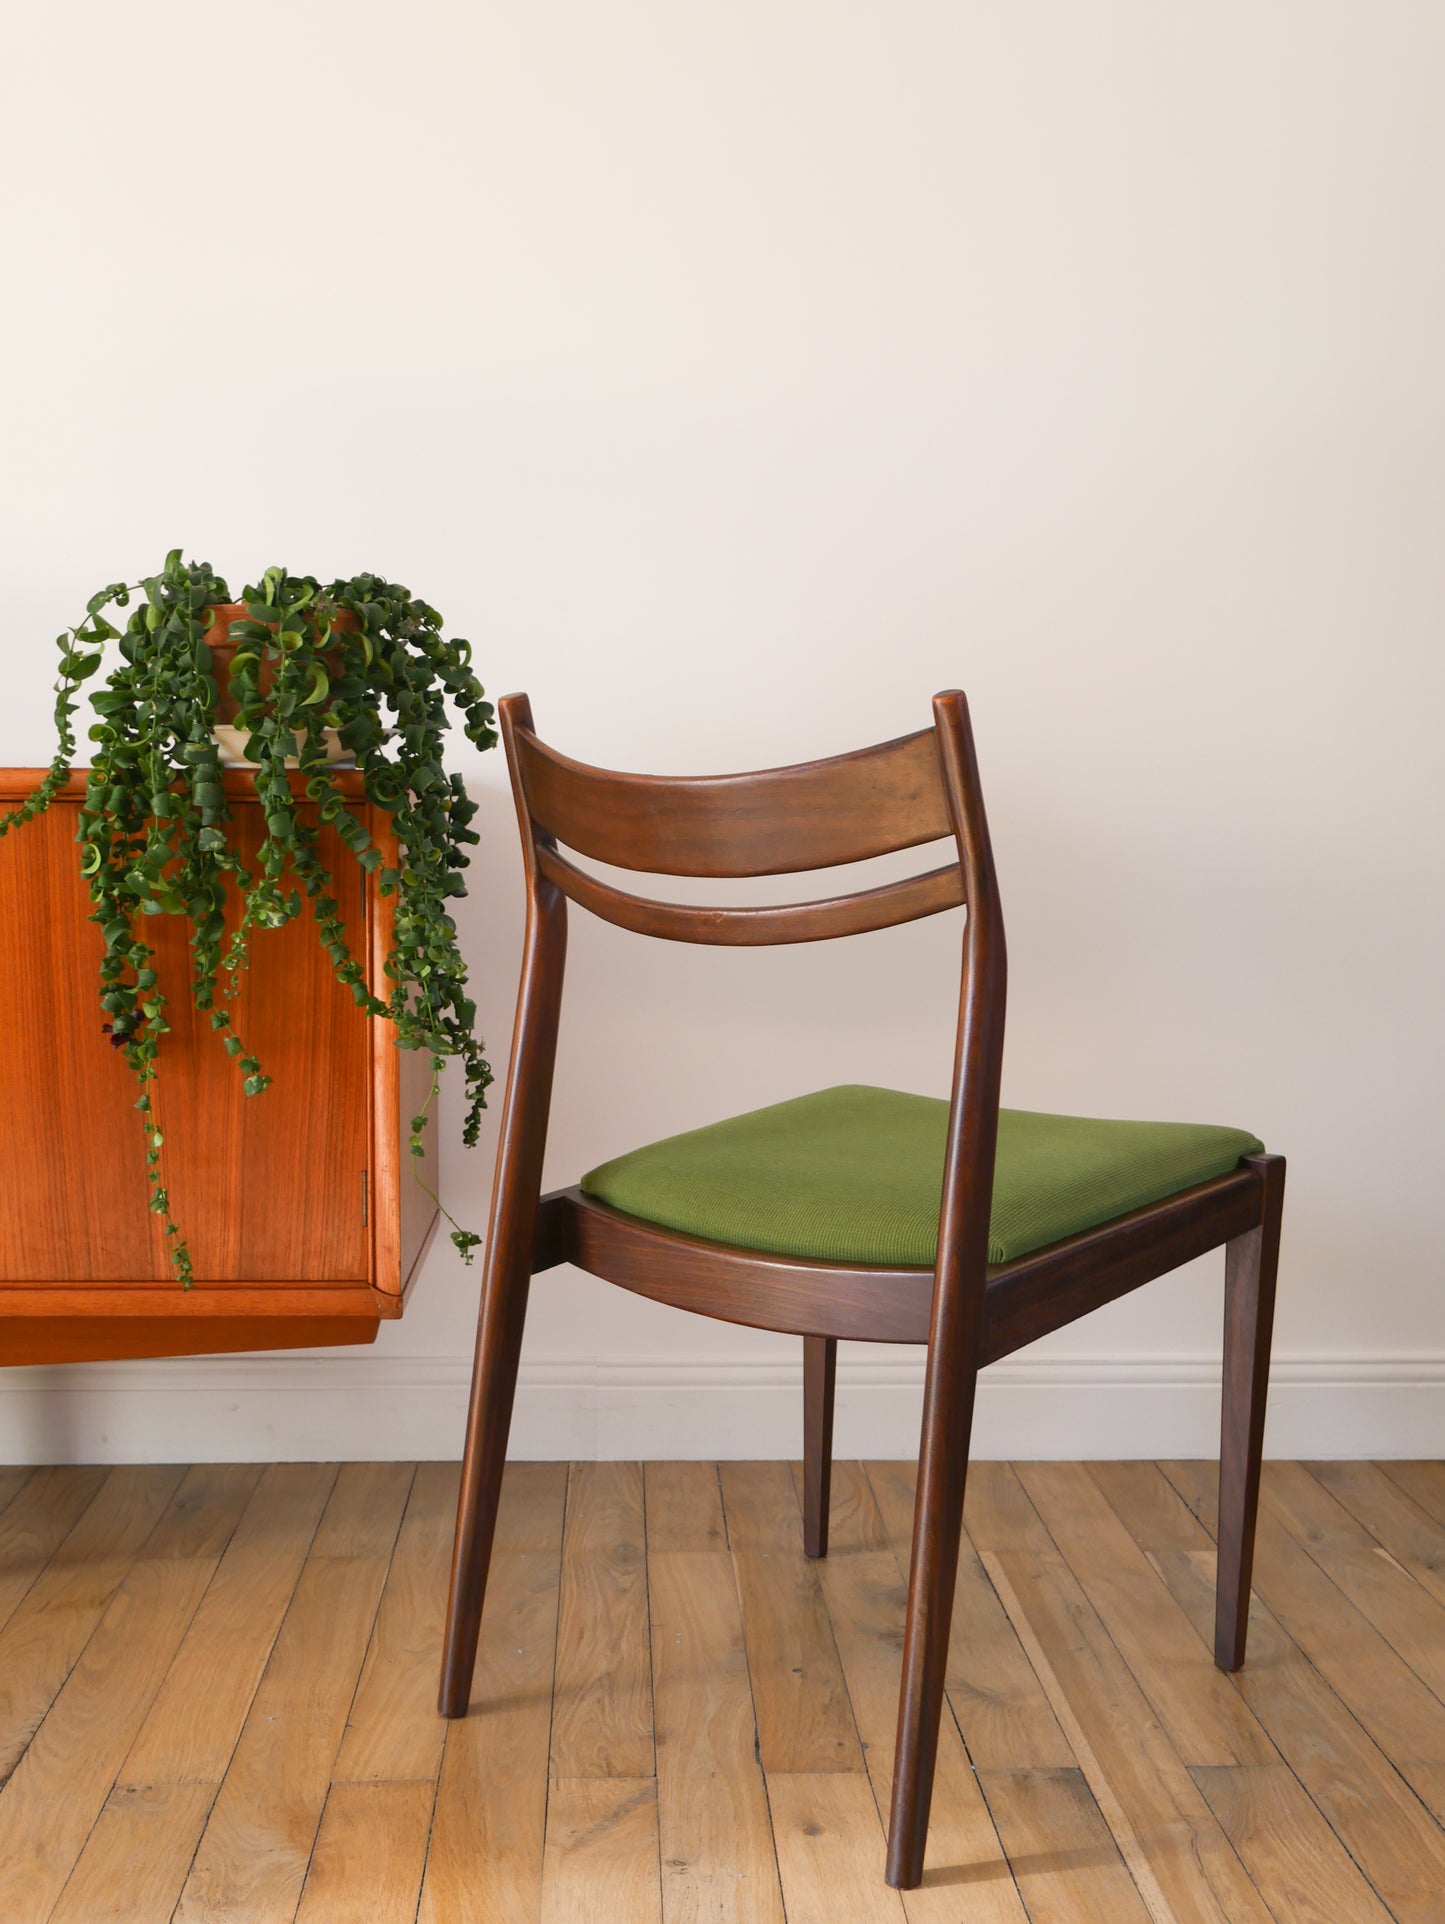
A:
[217,1700]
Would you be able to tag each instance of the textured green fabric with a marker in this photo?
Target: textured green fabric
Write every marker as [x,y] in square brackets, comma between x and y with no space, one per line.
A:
[856,1175]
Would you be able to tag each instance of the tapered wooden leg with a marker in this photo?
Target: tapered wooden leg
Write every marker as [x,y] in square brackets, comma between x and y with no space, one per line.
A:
[494,1383]
[820,1366]
[1251,1262]
[507,1270]
[937,1528]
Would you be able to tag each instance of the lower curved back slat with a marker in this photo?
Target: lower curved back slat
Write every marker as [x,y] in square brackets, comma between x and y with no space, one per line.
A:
[877,908]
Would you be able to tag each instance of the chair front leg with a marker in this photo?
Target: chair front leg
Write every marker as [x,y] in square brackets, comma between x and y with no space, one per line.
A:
[933,1571]
[1251,1263]
[820,1368]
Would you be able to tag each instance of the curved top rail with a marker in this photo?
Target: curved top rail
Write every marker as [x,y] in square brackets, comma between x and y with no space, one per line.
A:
[776,821]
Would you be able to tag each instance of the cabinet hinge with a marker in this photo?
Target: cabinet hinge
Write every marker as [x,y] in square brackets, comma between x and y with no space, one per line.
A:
[364,1200]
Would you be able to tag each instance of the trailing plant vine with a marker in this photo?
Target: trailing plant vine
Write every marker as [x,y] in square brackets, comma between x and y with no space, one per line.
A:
[363,658]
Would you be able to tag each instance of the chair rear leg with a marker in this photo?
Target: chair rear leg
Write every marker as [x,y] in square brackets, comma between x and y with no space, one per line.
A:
[507,1269]
[489,1419]
[1251,1262]
[933,1571]
[820,1367]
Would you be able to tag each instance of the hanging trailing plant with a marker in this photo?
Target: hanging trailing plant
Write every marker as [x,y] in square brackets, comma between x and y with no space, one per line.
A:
[360,669]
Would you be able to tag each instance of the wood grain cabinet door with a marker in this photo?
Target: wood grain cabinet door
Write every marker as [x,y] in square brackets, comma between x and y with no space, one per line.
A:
[269,1188]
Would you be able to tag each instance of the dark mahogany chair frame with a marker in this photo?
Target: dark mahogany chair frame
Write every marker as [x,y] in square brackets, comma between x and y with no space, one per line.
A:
[921,788]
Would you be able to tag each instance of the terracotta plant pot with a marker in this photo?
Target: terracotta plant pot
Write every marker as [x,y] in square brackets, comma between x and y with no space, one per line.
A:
[232,739]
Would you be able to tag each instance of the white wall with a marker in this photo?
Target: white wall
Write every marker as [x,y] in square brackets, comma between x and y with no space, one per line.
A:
[736,377]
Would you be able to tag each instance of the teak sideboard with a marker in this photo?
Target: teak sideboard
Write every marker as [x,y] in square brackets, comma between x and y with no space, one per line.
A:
[305,1223]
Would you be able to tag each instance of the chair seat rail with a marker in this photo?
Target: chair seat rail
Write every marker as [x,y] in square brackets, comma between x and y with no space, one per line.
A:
[883,1303]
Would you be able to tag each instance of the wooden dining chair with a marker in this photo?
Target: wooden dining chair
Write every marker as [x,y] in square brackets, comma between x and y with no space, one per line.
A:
[853,1212]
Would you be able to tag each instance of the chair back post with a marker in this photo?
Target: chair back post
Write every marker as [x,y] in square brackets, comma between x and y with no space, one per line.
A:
[978,1054]
[527,1103]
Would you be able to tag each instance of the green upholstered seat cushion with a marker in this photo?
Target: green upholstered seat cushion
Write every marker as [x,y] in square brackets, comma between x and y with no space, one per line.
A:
[856,1175]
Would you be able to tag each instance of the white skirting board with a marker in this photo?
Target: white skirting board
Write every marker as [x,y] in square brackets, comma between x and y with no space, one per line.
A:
[352,1405]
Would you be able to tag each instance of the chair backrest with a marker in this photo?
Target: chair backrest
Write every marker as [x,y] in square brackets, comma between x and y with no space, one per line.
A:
[781,821]
[822,814]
